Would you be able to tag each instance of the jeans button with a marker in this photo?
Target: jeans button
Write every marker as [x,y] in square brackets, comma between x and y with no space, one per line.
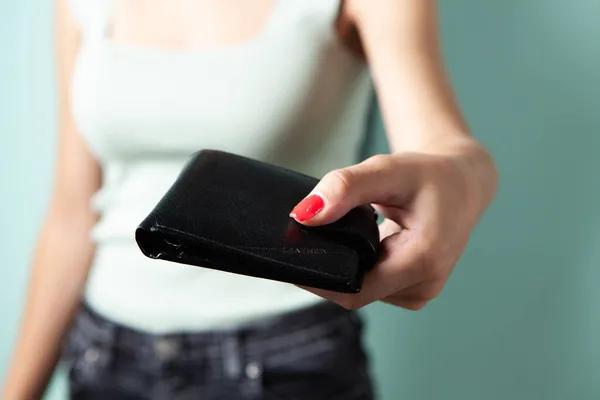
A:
[91,355]
[253,370]
[166,349]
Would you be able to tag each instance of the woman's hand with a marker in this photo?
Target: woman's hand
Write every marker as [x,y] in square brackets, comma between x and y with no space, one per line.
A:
[431,202]
[438,181]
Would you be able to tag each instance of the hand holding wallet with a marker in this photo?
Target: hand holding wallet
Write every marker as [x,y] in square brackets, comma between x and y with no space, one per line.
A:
[231,213]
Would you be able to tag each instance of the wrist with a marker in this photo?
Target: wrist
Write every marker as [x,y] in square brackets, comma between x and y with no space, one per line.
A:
[474,161]
[481,169]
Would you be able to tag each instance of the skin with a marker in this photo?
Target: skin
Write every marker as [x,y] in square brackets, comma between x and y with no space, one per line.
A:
[436,184]
[438,180]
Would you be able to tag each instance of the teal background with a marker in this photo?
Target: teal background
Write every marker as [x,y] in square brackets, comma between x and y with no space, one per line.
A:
[519,318]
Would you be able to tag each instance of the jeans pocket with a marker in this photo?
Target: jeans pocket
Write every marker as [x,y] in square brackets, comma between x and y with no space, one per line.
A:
[85,357]
[330,366]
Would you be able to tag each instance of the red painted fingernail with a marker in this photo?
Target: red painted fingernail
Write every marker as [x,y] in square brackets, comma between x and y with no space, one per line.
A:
[308,208]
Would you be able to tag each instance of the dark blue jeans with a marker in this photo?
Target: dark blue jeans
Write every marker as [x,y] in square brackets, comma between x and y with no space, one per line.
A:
[313,354]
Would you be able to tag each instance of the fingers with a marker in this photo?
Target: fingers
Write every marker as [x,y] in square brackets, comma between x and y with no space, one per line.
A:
[383,179]
[410,240]
[394,271]
[406,275]
[417,296]
[408,304]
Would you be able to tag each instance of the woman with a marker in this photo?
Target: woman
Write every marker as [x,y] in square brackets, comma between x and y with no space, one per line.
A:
[145,84]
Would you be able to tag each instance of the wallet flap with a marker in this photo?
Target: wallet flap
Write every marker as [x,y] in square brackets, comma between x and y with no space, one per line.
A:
[236,210]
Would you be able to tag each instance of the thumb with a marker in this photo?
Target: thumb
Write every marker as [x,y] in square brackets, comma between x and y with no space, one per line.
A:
[382,179]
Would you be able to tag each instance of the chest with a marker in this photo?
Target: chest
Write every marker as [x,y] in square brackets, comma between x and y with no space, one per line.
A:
[292,78]
[190,25]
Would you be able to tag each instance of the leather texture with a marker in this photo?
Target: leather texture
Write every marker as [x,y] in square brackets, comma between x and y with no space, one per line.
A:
[231,213]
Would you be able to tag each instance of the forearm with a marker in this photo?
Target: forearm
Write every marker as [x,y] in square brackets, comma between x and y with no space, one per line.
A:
[421,115]
[402,45]
[58,275]
[420,112]
[432,123]
[417,101]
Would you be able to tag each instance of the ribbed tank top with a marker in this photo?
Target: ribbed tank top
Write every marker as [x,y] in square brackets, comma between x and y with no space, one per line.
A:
[292,96]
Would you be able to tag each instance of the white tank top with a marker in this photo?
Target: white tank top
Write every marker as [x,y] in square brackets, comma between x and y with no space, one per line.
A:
[293,96]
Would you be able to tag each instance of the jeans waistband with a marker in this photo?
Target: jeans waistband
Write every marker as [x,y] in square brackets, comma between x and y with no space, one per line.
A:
[267,335]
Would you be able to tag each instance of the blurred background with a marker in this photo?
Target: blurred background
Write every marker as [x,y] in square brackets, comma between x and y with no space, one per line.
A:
[520,317]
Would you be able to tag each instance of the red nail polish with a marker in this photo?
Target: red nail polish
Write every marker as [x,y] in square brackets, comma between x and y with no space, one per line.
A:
[308,208]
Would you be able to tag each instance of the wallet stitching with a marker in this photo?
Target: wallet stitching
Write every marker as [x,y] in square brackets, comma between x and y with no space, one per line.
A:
[158,225]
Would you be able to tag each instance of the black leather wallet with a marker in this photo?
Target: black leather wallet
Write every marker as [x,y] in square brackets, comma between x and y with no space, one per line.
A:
[231,213]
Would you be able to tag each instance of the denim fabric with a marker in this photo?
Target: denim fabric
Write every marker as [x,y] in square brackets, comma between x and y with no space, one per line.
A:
[313,354]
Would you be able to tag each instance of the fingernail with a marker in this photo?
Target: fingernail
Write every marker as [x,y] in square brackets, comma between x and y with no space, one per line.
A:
[308,208]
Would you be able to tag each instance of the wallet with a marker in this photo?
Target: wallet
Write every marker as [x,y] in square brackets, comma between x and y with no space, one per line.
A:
[231,213]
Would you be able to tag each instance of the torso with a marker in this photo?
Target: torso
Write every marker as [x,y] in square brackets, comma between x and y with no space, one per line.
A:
[271,81]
